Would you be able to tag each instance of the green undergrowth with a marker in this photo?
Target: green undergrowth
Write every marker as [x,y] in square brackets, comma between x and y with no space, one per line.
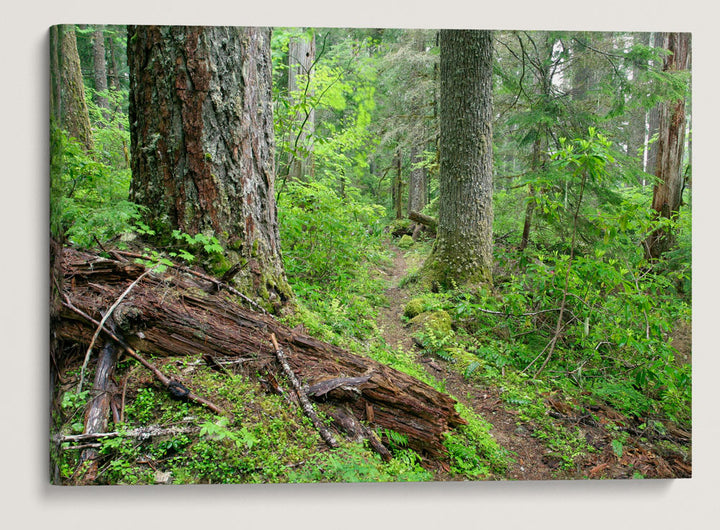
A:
[268,440]
[616,345]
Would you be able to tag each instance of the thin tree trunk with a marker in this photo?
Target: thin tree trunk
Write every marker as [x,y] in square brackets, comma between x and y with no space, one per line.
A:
[301,56]
[417,186]
[99,70]
[653,120]
[398,185]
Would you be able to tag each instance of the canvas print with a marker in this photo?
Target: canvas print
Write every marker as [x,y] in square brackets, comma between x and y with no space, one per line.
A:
[296,255]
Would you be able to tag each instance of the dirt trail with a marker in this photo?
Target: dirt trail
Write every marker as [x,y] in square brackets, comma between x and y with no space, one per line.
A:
[531,457]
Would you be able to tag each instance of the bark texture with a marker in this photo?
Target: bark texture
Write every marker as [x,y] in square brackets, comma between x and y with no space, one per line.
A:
[68,106]
[177,314]
[202,141]
[463,248]
[653,118]
[99,69]
[417,185]
[667,193]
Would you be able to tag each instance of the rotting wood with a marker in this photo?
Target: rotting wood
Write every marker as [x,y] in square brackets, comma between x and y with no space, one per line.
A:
[424,220]
[357,431]
[304,401]
[217,284]
[170,384]
[177,316]
[102,323]
[347,383]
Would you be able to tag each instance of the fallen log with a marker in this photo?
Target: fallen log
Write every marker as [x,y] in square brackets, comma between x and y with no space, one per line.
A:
[424,220]
[176,314]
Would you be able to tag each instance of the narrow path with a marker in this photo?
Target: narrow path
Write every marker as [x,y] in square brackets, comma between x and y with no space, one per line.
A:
[531,457]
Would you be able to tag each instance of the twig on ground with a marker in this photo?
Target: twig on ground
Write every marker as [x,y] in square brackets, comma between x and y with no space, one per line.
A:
[304,401]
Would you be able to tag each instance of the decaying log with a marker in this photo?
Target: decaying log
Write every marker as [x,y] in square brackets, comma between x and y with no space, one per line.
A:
[347,383]
[424,220]
[175,387]
[175,314]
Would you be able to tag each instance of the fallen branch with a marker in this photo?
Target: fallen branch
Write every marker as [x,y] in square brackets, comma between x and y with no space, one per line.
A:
[304,401]
[141,433]
[96,415]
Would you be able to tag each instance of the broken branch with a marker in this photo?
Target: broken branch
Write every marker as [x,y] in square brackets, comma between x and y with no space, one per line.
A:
[304,401]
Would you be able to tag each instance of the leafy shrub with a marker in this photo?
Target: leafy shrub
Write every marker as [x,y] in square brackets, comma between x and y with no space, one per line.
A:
[93,202]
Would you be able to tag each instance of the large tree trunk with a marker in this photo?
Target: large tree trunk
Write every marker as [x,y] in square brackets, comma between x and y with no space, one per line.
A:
[68,106]
[99,69]
[202,142]
[463,248]
[667,193]
[178,314]
[301,56]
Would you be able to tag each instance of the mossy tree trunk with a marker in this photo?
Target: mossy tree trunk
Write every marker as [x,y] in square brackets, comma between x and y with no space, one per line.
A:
[68,108]
[653,118]
[463,248]
[202,143]
[667,193]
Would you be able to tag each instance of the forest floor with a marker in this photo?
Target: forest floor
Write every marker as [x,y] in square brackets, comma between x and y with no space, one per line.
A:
[532,460]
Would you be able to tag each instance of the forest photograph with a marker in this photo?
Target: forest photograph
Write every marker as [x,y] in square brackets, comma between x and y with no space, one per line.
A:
[333,255]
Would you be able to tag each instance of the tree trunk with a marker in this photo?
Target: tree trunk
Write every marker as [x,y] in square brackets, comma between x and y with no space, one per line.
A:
[301,56]
[113,70]
[99,70]
[202,142]
[667,193]
[67,90]
[398,186]
[463,248]
[417,187]
[653,119]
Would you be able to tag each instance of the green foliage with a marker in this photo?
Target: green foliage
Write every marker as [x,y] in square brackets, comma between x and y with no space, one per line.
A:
[474,452]
[352,463]
[93,202]
[325,235]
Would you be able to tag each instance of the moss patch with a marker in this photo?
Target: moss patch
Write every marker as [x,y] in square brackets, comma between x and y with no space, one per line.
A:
[414,307]
[439,322]
[406,242]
